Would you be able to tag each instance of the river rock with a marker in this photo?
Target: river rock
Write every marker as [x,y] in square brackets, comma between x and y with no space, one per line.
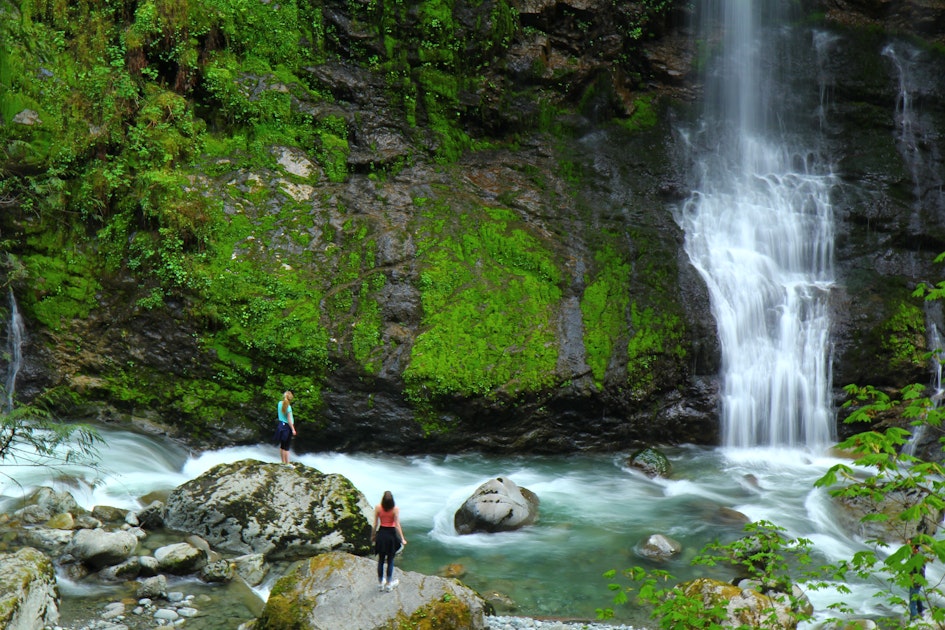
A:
[127,570]
[29,599]
[108,514]
[180,558]
[498,505]
[650,461]
[46,539]
[743,607]
[218,571]
[98,548]
[252,567]
[151,516]
[32,514]
[56,501]
[152,587]
[659,547]
[339,590]
[282,511]
[63,520]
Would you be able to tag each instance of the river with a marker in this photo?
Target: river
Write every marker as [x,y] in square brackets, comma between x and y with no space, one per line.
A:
[594,512]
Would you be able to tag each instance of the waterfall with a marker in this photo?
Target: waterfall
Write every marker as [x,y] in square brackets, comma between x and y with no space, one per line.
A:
[936,359]
[14,350]
[917,133]
[759,226]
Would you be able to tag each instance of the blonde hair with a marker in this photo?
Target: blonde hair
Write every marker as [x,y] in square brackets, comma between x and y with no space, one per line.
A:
[286,399]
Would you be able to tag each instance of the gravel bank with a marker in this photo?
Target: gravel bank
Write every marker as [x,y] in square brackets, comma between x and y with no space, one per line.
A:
[527,623]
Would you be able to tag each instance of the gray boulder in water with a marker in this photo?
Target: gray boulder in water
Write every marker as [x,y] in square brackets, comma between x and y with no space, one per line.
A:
[498,505]
[97,548]
[283,511]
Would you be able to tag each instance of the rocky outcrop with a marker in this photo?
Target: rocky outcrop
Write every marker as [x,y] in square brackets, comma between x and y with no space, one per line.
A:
[498,505]
[339,590]
[282,511]
[29,599]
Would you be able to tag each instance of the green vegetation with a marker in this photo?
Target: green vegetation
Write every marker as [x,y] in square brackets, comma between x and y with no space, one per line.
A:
[903,336]
[143,144]
[489,290]
[764,556]
[777,564]
[30,435]
[604,310]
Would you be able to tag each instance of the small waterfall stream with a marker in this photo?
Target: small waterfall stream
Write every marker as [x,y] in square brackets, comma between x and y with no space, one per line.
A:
[15,333]
[759,228]
[938,356]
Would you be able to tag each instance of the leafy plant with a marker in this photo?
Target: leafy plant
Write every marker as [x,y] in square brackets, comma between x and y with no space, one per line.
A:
[765,557]
[908,492]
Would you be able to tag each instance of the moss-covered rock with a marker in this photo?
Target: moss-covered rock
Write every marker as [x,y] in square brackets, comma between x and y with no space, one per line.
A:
[339,590]
[282,511]
[29,599]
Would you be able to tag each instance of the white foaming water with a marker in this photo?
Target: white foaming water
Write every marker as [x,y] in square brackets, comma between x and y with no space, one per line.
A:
[15,333]
[759,229]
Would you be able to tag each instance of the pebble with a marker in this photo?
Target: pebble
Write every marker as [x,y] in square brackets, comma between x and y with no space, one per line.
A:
[527,623]
[147,614]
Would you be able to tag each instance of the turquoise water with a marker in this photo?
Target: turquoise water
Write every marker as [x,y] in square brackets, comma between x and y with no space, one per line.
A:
[594,511]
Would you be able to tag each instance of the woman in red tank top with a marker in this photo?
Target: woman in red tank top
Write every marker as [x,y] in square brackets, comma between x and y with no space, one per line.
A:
[387,537]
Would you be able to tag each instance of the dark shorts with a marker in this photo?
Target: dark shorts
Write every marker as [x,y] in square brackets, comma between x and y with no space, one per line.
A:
[386,543]
[284,435]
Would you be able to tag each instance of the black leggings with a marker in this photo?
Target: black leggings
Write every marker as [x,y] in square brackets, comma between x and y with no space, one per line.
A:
[386,545]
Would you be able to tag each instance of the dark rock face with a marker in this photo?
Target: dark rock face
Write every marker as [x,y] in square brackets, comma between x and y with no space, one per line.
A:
[889,204]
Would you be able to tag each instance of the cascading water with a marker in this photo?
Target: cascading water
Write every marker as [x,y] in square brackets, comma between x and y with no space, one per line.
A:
[917,134]
[938,355]
[14,350]
[759,228]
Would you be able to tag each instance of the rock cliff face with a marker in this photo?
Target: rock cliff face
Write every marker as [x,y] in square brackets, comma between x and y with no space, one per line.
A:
[602,338]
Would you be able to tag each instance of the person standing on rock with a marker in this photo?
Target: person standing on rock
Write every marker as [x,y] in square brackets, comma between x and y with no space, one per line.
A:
[285,430]
[387,537]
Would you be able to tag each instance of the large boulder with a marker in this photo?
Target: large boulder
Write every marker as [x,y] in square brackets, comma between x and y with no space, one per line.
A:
[98,548]
[29,599]
[339,590]
[498,505]
[282,511]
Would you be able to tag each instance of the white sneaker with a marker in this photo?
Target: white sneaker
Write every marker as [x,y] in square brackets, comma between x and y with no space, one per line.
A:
[392,584]
[381,586]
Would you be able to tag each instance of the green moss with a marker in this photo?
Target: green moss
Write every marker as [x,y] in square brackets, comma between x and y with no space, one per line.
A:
[643,115]
[447,613]
[488,291]
[903,336]
[656,335]
[333,147]
[283,608]
[604,309]
[62,279]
